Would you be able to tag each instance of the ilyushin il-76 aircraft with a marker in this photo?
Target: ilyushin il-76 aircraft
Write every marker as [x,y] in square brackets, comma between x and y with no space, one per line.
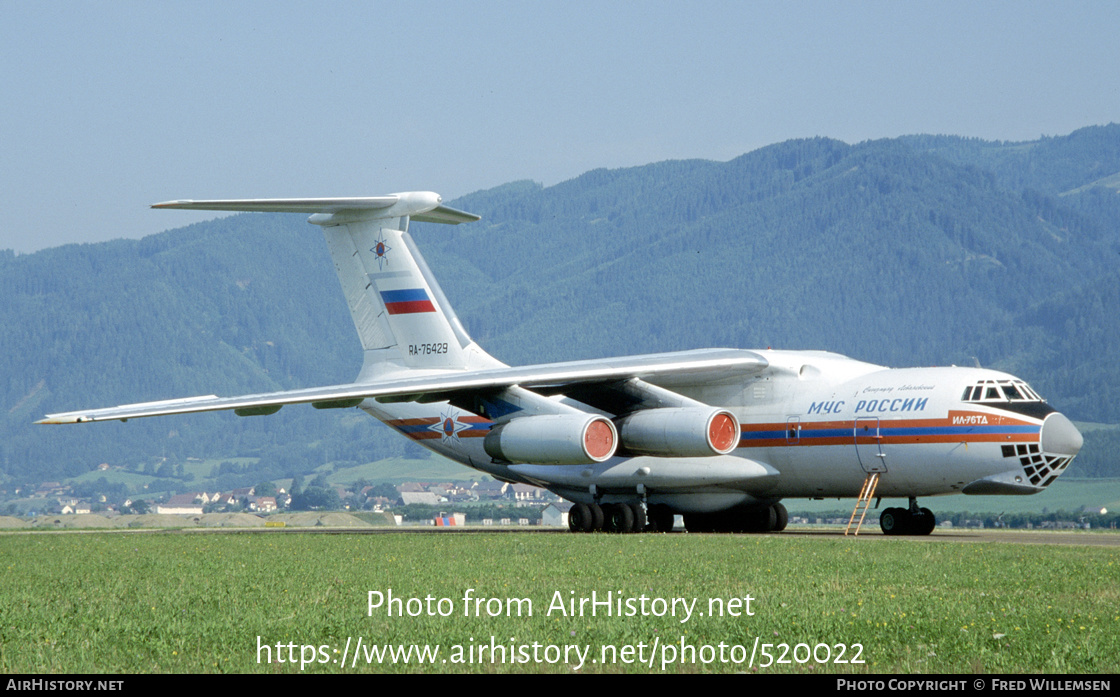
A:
[719,436]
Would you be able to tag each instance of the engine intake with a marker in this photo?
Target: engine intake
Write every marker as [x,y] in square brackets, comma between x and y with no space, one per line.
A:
[553,439]
[680,432]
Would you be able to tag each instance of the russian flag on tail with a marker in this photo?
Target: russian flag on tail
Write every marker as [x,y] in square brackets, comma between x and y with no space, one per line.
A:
[406,302]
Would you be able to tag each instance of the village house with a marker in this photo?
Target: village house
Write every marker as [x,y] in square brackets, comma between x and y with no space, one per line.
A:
[490,491]
[525,493]
[182,504]
[556,514]
[262,504]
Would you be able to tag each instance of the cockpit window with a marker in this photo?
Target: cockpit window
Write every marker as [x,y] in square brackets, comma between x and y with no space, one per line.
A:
[1000,391]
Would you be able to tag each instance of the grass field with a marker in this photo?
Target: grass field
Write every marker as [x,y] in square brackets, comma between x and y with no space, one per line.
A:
[175,602]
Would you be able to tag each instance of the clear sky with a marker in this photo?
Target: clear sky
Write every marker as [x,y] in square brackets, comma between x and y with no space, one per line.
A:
[107,107]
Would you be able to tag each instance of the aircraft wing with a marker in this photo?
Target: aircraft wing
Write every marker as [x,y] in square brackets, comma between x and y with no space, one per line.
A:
[705,365]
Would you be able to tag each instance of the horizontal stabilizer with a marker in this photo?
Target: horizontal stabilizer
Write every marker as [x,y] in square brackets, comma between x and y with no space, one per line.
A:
[446,214]
[424,206]
[284,205]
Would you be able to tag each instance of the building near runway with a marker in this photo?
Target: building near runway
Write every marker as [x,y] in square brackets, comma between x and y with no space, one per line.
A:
[555,515]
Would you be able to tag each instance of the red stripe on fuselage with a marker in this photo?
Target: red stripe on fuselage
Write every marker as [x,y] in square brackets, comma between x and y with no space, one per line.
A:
[402,425]
[422,421]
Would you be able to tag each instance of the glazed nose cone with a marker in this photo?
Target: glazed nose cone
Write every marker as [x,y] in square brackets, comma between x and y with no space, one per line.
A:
[1060,436]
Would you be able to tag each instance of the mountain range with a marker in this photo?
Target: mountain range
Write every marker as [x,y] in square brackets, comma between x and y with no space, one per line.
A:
[920,250]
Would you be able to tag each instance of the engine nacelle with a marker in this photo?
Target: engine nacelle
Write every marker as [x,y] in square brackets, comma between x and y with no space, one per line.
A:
[680,432]
[553,439]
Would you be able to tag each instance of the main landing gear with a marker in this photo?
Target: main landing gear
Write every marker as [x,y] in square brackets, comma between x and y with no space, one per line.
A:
[771,518]
[613,517]
[633,517]
[911,521]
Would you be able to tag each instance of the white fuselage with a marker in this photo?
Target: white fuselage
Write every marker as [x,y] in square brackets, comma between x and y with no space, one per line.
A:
[711,431]
[813,425]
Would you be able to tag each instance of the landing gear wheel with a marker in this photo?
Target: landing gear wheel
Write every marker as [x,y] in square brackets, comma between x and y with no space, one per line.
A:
[597,518]
[619,518]
[639,517]
[579,518]
[894,521]
[762,519]
[660,519]
[699,522]
[925,523]
[781,517]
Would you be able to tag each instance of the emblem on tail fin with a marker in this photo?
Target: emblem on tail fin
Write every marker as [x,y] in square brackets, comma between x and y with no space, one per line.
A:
[380,250]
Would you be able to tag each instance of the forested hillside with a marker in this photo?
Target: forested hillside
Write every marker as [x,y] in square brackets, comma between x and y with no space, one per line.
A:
[915,251]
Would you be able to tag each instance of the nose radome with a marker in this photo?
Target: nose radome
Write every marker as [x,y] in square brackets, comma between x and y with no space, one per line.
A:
[1059,436]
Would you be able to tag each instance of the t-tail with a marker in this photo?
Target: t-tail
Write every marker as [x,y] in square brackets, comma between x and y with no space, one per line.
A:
[402,317]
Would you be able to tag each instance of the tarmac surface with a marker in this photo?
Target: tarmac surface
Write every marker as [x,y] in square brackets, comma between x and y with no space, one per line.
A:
[1102,538]
[341,524]
[1094,538]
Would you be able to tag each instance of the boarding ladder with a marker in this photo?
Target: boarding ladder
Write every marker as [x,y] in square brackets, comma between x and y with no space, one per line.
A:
[865,496]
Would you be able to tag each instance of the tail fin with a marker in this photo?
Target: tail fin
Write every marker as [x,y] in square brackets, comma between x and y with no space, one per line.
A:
[402,317]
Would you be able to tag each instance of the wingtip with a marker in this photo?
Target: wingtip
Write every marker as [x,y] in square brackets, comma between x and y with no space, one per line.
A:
[68,418]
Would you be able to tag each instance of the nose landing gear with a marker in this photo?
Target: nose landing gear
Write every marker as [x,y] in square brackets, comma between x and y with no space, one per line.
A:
[907,521]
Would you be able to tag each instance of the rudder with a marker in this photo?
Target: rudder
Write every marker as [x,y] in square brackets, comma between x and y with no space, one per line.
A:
[400,313]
